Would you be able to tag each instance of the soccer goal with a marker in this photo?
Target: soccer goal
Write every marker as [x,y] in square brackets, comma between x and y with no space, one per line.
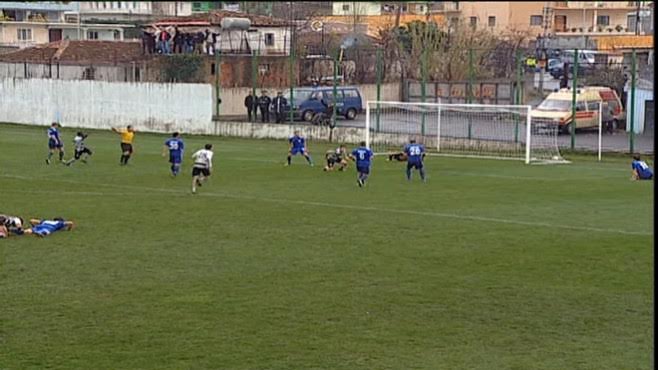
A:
[466,130]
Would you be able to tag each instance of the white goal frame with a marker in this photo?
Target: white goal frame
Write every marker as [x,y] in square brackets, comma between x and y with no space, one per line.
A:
[439,106]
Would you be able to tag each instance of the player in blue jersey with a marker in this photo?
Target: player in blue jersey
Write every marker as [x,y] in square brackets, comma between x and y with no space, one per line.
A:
[176,147]
[54,143]
[641,170]
[362,155]
[46,227]
[298,146]
[415,154]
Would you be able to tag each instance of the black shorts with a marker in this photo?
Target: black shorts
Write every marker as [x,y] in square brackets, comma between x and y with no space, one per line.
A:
[79,153]
[200,171]
[126,148]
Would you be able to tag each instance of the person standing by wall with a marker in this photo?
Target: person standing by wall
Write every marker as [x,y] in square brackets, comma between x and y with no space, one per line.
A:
[264,103]
[250,104]
[279,104]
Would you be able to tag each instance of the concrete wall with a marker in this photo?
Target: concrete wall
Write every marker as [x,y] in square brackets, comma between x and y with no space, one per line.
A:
[233,98]
[101,105]
[275,131]
[126,73]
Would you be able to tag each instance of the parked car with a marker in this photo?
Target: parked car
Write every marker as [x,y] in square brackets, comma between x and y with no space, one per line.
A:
[308,101]
[556,109]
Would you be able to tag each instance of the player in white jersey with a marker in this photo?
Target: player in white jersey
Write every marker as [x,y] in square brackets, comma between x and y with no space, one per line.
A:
[202,166]
[80,149]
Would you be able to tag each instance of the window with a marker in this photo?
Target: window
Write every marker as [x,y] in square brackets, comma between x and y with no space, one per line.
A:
[88,73]
[351,93]
[581,106]
[119,4]
[536,20]
[593,106]
[92,35]
[603,20]
[421,8]
[104,4]
[24,34]
[212,69]
[117,35]
[269,39]
[346,7]
[473,21]
[492,21]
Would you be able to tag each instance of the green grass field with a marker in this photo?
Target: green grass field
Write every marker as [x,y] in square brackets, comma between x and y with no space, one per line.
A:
[489,265]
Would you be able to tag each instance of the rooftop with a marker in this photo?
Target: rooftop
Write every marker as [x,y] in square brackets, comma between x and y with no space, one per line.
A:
[78,52]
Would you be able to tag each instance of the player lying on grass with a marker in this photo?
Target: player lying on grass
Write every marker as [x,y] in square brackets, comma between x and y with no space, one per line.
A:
[54,143]
[335,157]
[641,170]
[362,155]
[202,166]
[80,149]
[298,146]
[46,227]
[10,225]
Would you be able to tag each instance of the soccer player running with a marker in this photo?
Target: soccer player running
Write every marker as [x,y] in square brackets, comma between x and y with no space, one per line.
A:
[298,146]
[641,170]
[127,136]
[44,228]
[202,166]
[80,149]
[362,155]
[176,147]
[415,154]
[54,143]
[335,157]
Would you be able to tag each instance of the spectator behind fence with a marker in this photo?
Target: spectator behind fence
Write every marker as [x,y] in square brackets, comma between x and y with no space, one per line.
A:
[189,43]
[198,42]
[250,104]
[279,105]
[178,41]
[264,103]
[148,42]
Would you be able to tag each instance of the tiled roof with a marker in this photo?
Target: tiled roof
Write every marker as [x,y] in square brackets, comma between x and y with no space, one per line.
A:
[78,52]
[215,18]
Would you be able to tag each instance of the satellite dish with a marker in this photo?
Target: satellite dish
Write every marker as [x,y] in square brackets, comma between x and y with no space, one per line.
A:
[317,26]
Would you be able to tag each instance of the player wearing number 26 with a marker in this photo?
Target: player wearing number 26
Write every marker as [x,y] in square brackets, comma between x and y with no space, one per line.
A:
[415,154]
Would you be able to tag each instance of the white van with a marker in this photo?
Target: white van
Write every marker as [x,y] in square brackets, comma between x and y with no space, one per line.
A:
[585,57]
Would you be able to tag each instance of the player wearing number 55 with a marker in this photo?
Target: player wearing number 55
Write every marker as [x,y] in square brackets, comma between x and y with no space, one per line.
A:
[176,147]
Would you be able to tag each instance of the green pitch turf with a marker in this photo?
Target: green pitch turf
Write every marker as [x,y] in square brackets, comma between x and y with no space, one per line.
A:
[490,265]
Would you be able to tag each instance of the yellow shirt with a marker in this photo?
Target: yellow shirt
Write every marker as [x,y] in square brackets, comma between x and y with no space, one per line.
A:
[126,136]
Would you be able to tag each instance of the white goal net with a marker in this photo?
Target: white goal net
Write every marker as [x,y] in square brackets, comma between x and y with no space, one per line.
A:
[469,130]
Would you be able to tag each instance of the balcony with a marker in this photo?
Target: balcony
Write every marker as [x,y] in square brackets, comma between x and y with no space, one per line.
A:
[48,6]
[580,5]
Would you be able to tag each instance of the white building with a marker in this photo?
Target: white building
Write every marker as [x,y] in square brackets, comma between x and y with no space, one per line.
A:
[24,24]
[356,8]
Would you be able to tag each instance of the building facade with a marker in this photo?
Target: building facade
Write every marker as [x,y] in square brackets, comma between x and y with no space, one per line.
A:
[356,8]
[24,24]
[598,17]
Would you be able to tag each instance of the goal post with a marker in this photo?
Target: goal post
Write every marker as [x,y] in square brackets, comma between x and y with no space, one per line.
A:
[465,130]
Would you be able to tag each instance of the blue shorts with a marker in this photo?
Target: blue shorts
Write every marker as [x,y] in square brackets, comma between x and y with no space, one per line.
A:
[363,169]
[416,165]
[53,144]
[295,151]
[175,159]
[43,231]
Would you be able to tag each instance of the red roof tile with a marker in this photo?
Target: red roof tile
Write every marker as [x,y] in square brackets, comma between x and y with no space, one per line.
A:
[78,52]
